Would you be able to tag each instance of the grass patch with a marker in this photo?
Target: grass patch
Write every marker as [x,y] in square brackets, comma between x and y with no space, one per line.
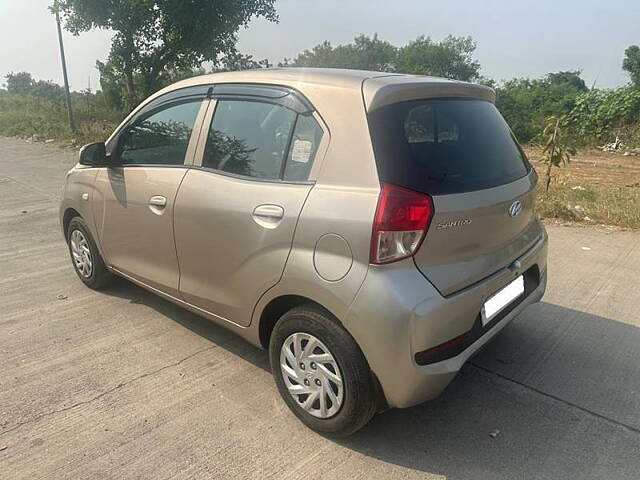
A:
[611,205]
[44,118]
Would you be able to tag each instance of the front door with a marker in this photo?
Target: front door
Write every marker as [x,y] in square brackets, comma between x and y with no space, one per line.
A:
[236,215]
[135,199]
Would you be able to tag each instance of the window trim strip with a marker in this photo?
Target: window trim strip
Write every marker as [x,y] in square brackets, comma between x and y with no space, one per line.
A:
[252,179]
[285,153]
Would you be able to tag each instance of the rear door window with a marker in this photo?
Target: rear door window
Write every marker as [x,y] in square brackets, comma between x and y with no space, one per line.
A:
[307,136]
[249,138]
[442,146]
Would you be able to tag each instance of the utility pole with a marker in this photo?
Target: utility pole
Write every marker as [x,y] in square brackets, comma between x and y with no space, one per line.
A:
[72,125]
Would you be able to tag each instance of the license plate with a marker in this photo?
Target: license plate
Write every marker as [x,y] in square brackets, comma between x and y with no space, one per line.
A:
[500,300]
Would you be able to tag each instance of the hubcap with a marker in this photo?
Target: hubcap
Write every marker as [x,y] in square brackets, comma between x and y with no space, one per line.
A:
[311,375]
[81,254]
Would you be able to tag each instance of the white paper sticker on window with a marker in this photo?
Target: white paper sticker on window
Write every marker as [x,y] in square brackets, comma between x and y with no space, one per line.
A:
[301,151]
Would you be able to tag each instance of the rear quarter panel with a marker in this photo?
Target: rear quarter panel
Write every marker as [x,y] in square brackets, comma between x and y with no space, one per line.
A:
[329,210]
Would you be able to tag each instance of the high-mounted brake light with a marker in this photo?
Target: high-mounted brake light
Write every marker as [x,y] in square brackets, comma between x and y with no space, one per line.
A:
[402,219]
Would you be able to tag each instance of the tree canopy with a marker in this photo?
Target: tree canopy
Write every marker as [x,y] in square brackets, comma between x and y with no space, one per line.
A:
[526,103]
[365,53]
[631,63]
[451,57]
[156,36]
[19,83]
[22,83]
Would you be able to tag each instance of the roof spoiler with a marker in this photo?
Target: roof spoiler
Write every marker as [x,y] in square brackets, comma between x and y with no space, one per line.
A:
[381,91]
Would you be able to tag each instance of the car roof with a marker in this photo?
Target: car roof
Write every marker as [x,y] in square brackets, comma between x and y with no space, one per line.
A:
[378,88]
[337,77]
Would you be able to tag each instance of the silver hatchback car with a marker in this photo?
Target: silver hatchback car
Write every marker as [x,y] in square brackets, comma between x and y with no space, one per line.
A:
[372,231]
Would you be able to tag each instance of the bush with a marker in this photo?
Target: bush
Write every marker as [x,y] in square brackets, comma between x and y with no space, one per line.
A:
[27,115]
[526,104]
[601,115]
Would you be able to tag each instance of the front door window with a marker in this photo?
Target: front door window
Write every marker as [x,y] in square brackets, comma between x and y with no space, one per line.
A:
[160,138]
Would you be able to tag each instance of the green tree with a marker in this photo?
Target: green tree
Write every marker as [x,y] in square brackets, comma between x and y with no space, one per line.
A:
[526,104]
[19,83]
[365,53]
[570,79]
[22,83]
[156,36]
[450,58]
[234,61]
[113,85]
[631,63]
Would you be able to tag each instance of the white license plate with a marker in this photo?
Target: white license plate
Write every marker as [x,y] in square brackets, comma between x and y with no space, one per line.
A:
[500,300]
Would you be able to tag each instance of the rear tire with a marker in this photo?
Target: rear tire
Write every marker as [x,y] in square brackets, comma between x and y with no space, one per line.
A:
[350,403]
[85,256]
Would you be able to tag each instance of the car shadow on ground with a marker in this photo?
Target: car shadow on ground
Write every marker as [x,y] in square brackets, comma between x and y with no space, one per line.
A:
[199,325]
[555,395]
[546,399]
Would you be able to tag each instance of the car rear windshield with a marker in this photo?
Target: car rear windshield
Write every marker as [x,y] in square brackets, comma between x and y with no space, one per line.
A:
[442,146]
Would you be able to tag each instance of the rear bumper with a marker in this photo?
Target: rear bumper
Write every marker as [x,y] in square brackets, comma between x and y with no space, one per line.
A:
[398,313]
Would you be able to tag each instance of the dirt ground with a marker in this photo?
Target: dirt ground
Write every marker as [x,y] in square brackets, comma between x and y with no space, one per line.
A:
[595,168]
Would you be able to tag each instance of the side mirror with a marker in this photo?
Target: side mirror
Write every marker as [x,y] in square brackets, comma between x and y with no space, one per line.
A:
[93,155]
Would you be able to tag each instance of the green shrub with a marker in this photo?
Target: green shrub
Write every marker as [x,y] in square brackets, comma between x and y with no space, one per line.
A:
[27,115]
[526,104]
[601,115]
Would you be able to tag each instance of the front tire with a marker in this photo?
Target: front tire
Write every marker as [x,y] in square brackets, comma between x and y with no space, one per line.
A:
[85,256]
[321,373]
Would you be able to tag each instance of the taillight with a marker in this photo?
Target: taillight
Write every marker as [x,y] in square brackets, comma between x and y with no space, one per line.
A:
[401,221]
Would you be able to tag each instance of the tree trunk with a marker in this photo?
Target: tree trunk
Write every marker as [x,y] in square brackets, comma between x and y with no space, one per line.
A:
[131,88]
[127,57]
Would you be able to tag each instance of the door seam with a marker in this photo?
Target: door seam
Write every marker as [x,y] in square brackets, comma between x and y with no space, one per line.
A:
[188,167]
[173,230]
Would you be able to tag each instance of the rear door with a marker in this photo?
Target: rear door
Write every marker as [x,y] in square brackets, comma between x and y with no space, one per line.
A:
[236,214]
[462,153]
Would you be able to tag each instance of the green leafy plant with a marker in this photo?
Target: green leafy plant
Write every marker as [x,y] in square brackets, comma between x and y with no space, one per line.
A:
[556,151]
[600,115]
[527,103]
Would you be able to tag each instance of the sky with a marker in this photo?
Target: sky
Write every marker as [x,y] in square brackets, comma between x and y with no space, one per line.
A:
[516,38]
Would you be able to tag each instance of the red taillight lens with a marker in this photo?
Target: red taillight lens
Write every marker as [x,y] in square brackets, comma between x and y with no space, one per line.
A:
[401,221]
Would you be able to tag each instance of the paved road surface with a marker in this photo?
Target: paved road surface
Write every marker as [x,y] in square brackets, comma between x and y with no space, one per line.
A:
[122,384]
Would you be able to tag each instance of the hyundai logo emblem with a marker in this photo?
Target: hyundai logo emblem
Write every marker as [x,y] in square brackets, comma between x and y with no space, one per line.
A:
[515,209]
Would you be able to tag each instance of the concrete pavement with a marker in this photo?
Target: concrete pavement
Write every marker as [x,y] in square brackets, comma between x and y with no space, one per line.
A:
[122,384]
